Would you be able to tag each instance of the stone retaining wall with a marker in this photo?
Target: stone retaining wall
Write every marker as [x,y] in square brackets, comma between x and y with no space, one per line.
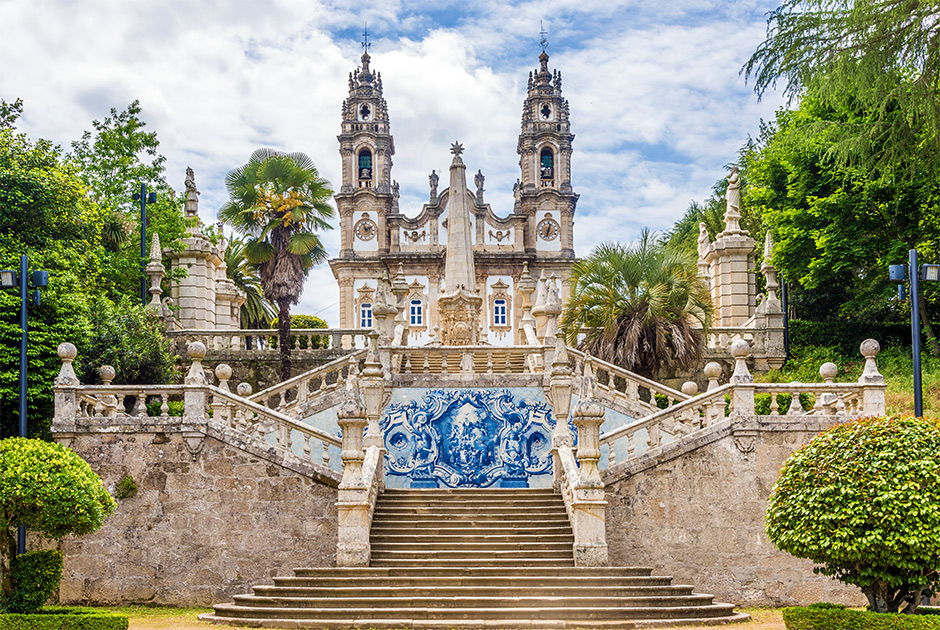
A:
[698,514]
[201,527]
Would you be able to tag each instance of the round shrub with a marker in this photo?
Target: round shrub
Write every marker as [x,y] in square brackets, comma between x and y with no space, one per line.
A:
[863,501]
[36,575]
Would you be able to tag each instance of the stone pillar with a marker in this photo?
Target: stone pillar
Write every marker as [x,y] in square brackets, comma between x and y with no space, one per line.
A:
[873,396]
[372,387]
[560,386]
[65,385]
[195,395]
[156,272]
[525,287]
[714,411]
[588,507]
[742,395]
[353,510]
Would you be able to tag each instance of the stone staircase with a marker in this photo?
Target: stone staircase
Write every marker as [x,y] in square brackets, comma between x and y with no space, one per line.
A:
[472,559]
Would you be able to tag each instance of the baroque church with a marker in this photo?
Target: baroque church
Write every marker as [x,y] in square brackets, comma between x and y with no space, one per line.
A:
[460,272]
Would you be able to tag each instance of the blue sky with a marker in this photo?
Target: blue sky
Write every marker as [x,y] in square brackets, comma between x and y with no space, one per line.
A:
[658,106]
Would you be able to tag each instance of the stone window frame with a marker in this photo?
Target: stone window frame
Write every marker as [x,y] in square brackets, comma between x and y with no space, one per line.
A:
[365,315]
[417,291]
[416,313]
[364,300]
[553,152]
[365,182]
[499,291]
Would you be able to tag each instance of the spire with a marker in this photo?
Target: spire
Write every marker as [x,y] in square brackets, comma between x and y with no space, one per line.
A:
[458,269]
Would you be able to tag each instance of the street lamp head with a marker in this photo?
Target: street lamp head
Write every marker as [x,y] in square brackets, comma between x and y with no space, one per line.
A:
[897,273]
[930,273]
[135,197]
[7,279]
[152,197]
[40,279]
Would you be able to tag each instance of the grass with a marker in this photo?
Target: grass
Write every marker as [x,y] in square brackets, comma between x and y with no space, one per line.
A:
[895,364]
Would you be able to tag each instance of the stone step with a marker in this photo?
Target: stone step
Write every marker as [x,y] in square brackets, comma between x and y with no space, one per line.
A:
[471,545]
[395,589]
[469,554]
[316,614]
[534,503]
[468,507]
[434,570]
[482,601]
[595,583]
[500,563]
[482,538]
[380,529]
[405,522]
[427,624]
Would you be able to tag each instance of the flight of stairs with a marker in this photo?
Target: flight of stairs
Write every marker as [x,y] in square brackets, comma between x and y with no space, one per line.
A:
[472,559]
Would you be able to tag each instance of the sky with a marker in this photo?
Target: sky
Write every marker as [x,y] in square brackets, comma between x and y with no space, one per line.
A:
[658,105]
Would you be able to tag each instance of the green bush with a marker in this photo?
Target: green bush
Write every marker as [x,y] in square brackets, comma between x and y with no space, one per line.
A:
[126,488]
[301,322]
[56,618]
[848,336]
[50,490]
[863,501]
[36,575]
[174,408]
[819,618]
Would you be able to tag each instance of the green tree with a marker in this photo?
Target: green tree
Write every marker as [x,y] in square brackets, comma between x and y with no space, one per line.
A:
[641,307]
[113,161]
[50,490]
[10,113]
[278,201]
[863,501]
[257,311]
[885,53]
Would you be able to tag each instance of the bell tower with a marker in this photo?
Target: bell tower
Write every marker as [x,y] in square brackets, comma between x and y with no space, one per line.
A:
[544,192]
[366,147]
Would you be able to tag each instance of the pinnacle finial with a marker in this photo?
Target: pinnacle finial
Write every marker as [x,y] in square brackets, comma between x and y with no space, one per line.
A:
[456,148]
[544,37]
[365,38]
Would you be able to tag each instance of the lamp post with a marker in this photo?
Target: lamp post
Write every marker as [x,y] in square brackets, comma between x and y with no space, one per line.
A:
[929,273]
[144,199]
[29,286]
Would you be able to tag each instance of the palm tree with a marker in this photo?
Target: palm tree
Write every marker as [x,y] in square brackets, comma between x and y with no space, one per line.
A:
[256,312]
[642,307]
[278,201]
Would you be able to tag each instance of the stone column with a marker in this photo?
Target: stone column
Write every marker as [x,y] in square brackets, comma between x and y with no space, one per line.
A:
[873,396]
[372,387]
[65,386]
[353,510]
[560,386]
[742,395]
[588,507]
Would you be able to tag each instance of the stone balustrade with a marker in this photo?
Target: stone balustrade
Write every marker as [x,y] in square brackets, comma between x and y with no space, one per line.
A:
[636,394]
[129,401]
[739,398]
[292,394]
[721,337]
[468,360]
[248,343]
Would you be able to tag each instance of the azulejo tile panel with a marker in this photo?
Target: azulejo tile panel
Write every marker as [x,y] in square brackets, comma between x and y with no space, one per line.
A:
[468,438]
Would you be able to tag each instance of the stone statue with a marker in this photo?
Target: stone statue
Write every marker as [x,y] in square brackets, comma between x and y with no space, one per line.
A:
[434,178]
[703,241]
[733,200]
[192,195]
[478,179]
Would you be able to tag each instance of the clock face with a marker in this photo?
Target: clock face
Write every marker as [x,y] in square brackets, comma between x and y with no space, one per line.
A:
[547,229]
[365,112]
[365,229]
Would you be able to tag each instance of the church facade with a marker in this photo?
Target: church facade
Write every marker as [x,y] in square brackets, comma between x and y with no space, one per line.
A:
[460,272]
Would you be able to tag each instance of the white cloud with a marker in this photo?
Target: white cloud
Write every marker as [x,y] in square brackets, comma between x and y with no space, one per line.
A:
[657,104]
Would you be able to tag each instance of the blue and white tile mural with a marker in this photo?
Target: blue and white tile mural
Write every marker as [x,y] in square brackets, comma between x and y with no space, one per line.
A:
[468,438]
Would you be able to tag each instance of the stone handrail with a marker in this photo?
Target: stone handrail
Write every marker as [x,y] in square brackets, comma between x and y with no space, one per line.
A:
[265,341]
[467,359]
[567,477]
[627,387]
[831,399]
[258,421]
[111,401]
[287,395]
[721,338]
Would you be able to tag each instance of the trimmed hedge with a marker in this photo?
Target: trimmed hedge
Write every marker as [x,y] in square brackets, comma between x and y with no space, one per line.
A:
[819,618]
[36,575]
[56,618]
[848,336]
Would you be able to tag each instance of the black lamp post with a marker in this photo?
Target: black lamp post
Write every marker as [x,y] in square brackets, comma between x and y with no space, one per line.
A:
[29,296]
[929,273]
[144,199]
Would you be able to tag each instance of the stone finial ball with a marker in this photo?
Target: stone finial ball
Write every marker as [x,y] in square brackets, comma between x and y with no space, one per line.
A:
[67,351]
[106,372]
[223,372]
[740,349]
[689,388]
[828,370]
[712,370]
[870,348]
[243,390]
[196,350]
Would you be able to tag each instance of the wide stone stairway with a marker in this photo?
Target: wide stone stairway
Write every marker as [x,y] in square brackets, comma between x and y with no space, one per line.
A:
[472,559]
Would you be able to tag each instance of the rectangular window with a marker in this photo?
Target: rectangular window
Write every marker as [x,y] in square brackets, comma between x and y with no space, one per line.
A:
[365,315]
[499,313]
[417,313]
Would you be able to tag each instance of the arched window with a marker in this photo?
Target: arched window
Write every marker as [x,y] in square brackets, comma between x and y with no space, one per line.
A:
[416,313]
[365,168]
[365,315]
[547,165]
[499,312]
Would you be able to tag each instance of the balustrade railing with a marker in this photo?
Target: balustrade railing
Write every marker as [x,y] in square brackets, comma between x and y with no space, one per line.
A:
[288,395]
[130,401]
[638,394]
[468,360]
[265,341]
[721,338]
